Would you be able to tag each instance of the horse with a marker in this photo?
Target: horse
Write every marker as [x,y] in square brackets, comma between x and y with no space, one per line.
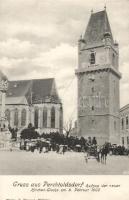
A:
[104,152]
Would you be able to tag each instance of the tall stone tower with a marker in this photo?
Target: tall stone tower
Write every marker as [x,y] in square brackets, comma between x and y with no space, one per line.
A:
[98,81]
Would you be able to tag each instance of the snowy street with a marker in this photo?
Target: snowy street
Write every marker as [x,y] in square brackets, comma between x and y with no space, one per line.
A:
[71,163]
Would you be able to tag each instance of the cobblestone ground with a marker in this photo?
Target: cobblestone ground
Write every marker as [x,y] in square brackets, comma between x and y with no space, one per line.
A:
[28,163]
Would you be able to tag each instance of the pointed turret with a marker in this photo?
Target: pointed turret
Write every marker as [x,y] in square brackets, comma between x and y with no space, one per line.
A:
[98,27]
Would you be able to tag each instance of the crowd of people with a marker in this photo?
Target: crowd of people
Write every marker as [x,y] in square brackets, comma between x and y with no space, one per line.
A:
[30,140]
[54,141]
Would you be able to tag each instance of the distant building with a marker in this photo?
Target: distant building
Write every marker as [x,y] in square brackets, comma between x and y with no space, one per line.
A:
[124,126]
[34,101]
[98,82]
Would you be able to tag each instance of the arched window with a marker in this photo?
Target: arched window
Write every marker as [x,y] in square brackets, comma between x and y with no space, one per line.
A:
[16,117]
[122,123]
[36,117]
[23,117]
[7,114]
[53,117]
[61,119]
[45,117]
[92,58]
[127,122]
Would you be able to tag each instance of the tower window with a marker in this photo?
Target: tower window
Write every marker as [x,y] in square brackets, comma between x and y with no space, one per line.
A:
[92,89]
[113,59]
[92,58]
[92,108]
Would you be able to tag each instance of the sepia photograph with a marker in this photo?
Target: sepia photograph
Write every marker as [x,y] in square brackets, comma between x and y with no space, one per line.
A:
[64,87]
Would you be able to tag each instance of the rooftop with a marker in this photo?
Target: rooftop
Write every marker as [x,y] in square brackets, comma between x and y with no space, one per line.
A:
[98,25]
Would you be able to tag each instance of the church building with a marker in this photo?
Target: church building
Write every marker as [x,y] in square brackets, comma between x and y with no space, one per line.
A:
[98,81]
[34,101]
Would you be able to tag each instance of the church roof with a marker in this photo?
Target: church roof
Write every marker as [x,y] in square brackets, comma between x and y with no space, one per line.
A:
[18,88]
[97,26]
[35,90]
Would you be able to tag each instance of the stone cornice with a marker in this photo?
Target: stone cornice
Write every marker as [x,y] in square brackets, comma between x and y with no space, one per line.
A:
[98,68]
[98,46]
[107,114]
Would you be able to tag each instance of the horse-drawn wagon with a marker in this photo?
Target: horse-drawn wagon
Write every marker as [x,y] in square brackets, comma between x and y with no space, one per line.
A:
[91,153]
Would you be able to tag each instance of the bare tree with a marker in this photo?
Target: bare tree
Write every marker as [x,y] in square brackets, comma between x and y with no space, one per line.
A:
[68,127]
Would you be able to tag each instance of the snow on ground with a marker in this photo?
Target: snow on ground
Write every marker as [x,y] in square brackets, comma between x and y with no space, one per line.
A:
[72,163]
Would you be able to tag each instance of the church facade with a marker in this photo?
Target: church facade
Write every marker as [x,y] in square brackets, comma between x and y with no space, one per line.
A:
[34,101]
[98,82]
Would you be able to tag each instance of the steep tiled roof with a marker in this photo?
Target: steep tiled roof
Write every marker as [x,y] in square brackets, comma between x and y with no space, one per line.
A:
[35,90]
[42,88]
[97,26]
[18,88]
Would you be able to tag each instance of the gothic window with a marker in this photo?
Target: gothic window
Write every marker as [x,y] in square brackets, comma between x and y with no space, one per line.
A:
[122,123]
[92,58]
[127,122]
[7,114]
[16,117]
[23,117]
[45,117]
[61,118]
[36,117]
[53,117]
[123,141]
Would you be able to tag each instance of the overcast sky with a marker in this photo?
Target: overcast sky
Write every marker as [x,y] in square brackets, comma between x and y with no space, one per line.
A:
[38,39]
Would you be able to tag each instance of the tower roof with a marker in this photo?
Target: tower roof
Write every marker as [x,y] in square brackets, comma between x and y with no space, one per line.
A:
[98,25]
